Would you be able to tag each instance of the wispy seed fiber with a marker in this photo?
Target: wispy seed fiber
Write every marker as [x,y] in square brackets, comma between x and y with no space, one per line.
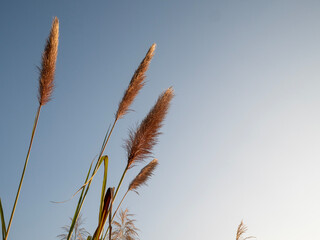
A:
[143,176]
[48,65]
[136,83]
[141,142]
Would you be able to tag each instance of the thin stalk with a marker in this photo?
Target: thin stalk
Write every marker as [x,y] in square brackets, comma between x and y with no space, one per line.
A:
[105,142]
[120,182]
[76,213]
[118,187]
[104,183]
[24,170]
[78,209]
[114,214]
[88,183]
[110,220]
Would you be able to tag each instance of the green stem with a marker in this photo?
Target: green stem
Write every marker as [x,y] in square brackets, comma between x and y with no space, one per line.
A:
[104,183]
[122,177]
[105,142]
[96,168]
[118,187]
[24,170]
[76,213]
[110,220]
[114,214]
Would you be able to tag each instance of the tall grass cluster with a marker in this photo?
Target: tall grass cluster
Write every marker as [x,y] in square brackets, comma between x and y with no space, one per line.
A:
[139,144]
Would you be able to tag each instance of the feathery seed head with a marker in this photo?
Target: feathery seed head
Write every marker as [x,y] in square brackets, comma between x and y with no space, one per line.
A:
[48,65]
[140,142]
[241,230]
[143,176]
[136,83]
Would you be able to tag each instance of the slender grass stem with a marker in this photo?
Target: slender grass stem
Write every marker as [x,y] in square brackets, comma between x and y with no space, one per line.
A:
[120,182]
[115,195]
[23,172]
[77,212]
[114,214]
[88,183]
[104,183]
[105,142]
[110,220]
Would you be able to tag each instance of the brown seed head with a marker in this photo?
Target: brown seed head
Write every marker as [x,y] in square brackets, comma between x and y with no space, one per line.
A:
[140,142]
[48,65]
[136,83]
[143,176]
[241,230]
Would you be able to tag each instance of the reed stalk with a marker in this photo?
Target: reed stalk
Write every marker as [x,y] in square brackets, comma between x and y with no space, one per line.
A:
[135,85]
[141,141]
[241,230]
[110,220]
[23,171]
[107,206]
[141,179]
[46,85]
[114,214]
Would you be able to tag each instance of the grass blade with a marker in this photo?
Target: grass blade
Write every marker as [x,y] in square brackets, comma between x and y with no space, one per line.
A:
[23,171]
[76,214]
[3,224]
[107,200]
[105,159]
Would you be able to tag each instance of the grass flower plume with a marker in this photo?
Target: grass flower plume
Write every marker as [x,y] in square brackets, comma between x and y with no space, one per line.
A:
[241,231]
[138,147]
[46,85]
[143,176]
[140,142]
[136,83]
[48,65]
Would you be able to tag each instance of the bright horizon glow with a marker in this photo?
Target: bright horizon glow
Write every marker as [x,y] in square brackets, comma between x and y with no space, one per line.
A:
[240,140]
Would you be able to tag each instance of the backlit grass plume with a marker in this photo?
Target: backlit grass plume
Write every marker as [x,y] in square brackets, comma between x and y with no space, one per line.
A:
[141,142]
[46,85]
[48,65]
[136,83]
[125,228]
[143,176]
[140,180]
[139,145]
[241,230]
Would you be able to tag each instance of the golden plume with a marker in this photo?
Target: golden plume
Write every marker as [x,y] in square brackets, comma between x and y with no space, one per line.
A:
[143,176]
[136,83]
[140,143]
[241,230]
[48,65]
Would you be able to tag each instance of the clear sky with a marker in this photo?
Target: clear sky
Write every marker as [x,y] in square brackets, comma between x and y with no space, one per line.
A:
[241,140]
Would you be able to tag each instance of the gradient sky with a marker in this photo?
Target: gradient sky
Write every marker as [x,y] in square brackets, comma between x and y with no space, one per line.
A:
[241,140]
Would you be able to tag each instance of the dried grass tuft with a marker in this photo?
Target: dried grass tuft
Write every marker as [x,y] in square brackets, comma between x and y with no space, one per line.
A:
[136,83]
[48,64]
[241,230]
[140,142]
[144,175]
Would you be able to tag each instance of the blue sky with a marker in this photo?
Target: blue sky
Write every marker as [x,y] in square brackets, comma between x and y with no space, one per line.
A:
[240,140]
